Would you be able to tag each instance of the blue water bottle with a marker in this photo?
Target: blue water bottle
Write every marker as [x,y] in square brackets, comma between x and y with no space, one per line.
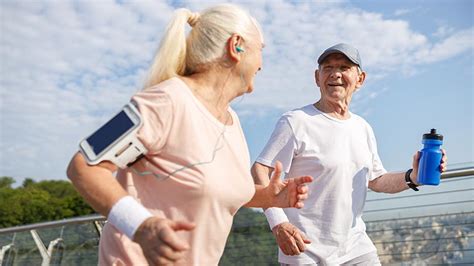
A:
[430,160]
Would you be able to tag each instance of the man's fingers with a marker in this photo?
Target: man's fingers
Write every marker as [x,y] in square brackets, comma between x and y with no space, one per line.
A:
[444,160]
[284,246]
[416,160]
[294,247]
[285,249]
[289,246]
[300,242]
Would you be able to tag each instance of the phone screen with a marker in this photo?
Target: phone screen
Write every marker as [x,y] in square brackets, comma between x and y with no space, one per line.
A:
[110,132]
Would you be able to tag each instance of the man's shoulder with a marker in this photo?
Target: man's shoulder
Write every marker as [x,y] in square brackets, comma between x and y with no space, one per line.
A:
[300,112]
[361,121]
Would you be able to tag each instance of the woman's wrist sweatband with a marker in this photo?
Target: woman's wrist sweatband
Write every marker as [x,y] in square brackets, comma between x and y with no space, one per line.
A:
[127,215]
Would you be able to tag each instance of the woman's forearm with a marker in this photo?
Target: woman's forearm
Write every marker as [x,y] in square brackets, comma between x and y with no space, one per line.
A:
[96,184]
[261,198]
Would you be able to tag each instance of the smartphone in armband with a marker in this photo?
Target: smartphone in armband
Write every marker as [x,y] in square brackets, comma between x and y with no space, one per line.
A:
[116,140]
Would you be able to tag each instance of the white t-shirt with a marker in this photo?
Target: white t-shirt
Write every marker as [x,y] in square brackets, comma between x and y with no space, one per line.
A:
[342,157]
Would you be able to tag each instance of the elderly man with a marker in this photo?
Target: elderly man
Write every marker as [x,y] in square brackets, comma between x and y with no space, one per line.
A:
[338,148]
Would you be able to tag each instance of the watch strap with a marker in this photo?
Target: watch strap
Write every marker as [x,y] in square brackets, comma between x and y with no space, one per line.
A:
[410,183]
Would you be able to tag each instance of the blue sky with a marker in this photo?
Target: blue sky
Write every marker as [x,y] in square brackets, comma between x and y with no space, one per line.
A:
[68,66]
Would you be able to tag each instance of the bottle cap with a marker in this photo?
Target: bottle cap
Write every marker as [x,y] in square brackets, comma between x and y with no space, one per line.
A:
[433,135]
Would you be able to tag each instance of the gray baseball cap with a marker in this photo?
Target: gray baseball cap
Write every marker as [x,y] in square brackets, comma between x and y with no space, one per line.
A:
[342,48]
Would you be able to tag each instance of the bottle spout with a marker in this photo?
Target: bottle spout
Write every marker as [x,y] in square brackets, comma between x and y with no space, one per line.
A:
[433,135]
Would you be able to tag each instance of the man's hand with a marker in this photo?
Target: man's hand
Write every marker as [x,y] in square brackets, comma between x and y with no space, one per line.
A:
[290,239]
[416,162]
[159,241]
[288,193]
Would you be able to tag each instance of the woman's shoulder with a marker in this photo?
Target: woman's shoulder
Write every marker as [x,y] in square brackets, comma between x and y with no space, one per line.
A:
[169,86]
[172,89]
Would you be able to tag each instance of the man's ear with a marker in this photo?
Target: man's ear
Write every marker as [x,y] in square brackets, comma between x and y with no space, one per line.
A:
[233,42]
[361,79]
[316,78]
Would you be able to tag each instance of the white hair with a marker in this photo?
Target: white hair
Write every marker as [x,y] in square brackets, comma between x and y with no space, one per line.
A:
[205,44]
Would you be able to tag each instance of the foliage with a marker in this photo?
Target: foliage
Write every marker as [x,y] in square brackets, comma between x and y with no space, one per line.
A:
[250,241]
[39,201]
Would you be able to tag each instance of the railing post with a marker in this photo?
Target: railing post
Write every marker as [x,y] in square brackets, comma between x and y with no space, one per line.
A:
[98,228]
[42,249]
[7,250]
[56,245]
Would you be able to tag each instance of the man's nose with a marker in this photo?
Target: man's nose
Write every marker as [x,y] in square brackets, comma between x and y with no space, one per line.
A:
[336,73]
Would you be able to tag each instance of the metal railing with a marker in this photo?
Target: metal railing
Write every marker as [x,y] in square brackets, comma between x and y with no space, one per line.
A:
[437,230]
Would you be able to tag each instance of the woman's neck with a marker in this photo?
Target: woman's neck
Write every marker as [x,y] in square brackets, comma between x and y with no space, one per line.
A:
[215,91]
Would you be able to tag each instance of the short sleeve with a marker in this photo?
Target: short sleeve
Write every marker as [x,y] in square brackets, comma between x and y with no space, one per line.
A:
[156,108]
[280,147]
[377,166]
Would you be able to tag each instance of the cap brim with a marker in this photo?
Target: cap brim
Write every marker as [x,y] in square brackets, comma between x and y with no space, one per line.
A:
[326,53]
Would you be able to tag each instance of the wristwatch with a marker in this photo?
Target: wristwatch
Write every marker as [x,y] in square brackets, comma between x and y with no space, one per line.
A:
[410,183]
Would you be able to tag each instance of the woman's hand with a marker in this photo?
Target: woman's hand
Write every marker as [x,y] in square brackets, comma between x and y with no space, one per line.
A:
[288,193]
[290,239]
[159,241]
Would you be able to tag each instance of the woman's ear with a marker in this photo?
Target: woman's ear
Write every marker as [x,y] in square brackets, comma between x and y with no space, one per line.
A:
[234,47]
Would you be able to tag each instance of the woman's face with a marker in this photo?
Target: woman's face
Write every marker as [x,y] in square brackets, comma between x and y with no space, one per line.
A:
[251,63]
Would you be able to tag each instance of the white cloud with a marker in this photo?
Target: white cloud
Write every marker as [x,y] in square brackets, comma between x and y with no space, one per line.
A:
[453,45]
[402,11]
[297,34]
[67,66]
[443,31]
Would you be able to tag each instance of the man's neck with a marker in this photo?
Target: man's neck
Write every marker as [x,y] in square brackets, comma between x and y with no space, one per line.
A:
[339,109]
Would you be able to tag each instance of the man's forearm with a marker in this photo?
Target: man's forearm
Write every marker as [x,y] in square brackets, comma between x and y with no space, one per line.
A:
[389,183]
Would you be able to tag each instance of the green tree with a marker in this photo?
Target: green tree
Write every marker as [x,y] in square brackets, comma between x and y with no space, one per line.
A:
[6,182]
[39,201]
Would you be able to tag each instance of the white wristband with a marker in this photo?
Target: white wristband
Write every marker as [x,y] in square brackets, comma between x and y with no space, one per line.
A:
[275,216]
[127,215]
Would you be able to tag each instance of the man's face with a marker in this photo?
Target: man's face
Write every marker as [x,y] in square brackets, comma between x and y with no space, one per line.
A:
[338,78]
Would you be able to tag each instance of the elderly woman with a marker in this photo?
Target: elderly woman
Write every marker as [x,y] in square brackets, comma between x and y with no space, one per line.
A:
[176,204]
[338,148]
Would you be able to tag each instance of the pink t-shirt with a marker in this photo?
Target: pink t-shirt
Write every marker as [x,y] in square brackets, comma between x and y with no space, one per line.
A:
[180,132]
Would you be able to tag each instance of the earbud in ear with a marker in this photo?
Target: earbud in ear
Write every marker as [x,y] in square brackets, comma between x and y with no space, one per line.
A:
[240,50]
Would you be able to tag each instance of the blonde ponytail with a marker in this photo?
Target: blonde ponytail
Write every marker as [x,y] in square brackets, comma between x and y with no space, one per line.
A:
[170,60]
[205,45]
